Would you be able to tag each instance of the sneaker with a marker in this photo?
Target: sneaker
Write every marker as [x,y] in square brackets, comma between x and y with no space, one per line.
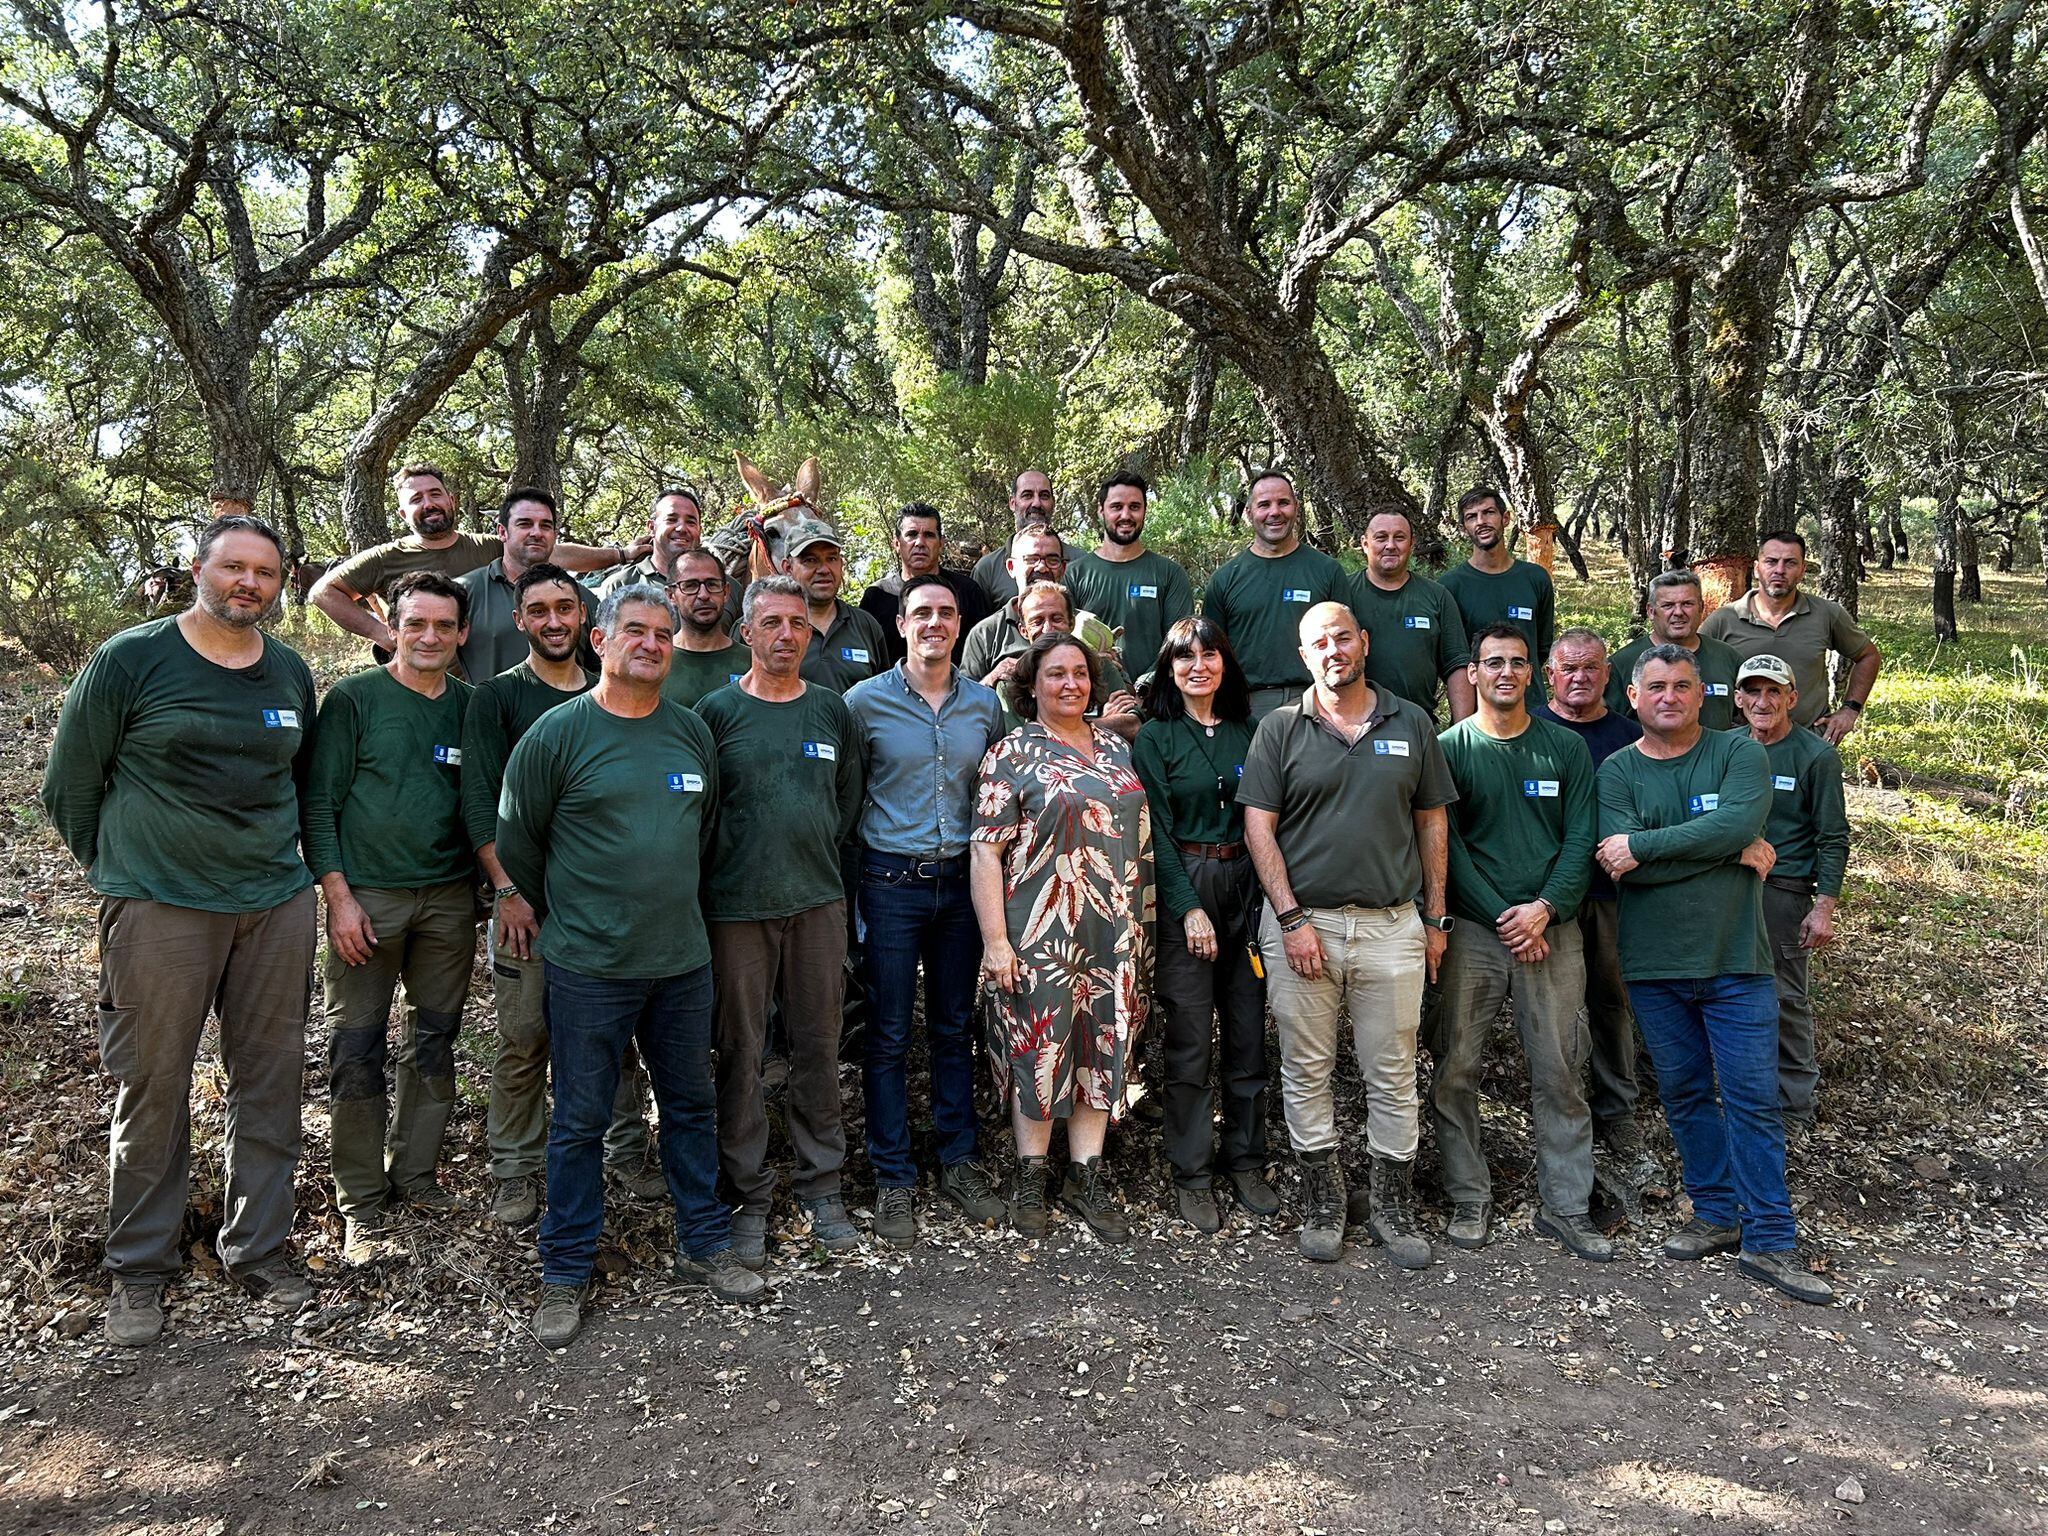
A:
[135,1313]
[1701,1239]
[275,1283]
[1322,1224]
[1785,1270]
[559,1317]
[1580,1237]
[365,1239]
[1469,1225]
[728,1279]
[1393,1213]
[517,1202]
[428,1195]
[643,1182]
[1197,1207]
[968,1186]
[750,1238]
[1084,1192]
[896,1214]
[1027,1196]
[831,1228]
[1253,1192]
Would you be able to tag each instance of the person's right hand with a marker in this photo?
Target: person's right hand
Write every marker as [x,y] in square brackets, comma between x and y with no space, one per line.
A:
[349,933]
[517,927]
[1304,952]
[1000,672]
[1001,968]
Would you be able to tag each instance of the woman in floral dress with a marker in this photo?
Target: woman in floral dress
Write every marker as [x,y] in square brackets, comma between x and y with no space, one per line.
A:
[1062,880]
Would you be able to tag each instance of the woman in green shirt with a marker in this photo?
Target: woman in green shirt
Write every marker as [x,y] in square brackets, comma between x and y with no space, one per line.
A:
[1190,753]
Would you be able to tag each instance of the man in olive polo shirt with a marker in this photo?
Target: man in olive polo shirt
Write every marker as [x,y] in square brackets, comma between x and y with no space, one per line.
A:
[1262,594]
[1675,608]
[527,527]
[706,655]
[1799,628]
[1415,635]
[1809,831]
[1521,853]
[1492,587]
[846,645]
[174,780]
[993,645]
[1344,794]
[674,528]
[1031,501]
[1138,592]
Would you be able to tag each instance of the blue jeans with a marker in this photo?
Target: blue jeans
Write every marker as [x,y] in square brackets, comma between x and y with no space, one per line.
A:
[590,1021]
[1715,1044]
[916,910]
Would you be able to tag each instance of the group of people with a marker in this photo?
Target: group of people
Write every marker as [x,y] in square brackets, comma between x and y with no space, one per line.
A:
[697,802]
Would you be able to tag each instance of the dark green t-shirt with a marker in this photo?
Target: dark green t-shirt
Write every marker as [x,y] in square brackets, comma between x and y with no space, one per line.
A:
[609,820]
[1143,598]
[851,650]
[1522,825]
[1689,910]
[692,674]
[1191,781]
[1809,821]
[384,792]
[1415,637]
[1717,678]
[1521,595]
[792,777]
[1260,603]
[175,779]
[1346,809]
[504,708]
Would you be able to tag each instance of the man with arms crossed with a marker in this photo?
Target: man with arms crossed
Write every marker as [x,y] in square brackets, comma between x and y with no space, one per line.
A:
[1262,594]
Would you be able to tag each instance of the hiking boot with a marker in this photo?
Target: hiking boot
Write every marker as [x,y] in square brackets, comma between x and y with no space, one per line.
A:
[1787,1271]
[1469,1225]
[1393,1213]
[1084,1192]
[721,1270]
[365,1239]
[517,1202]
[1322,1193]
[642,1182]
[1027,1196]
[896,1214]
[831,1228]
[428,1195]
[750,1238]
[1253,1192]
[1701,1239]
[1580,1237]
[559,1317]
[1197,1207]
[275,1283]
[135,1313]
[968,1186]
[1149,1112]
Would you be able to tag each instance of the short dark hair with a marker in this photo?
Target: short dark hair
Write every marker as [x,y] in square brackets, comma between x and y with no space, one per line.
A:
[1670,655]
[679,490]
[1022,699]
[433,584]
[539,574]
[418,471]
[519,493]
[1476,495]
[1501,630]
[1391,509]
[1783,536]
[934,579]
[708,554]
[1164,701]
[1268,474]
[919,509]
[1128,477]
[238,522]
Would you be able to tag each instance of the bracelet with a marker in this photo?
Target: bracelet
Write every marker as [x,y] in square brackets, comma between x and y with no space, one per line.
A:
[1855,704]
[505,892]
[1289,916]
[1296,923]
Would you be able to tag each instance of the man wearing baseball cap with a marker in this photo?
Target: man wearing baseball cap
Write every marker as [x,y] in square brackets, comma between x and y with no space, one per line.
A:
[1809,828]
[847,645]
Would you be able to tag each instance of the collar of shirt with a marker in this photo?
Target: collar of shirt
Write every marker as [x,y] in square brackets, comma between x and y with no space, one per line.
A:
[1383,708]
[1746,606]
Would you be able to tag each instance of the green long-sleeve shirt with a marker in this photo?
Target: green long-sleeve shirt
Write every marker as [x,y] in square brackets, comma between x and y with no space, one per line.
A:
[1260,603]
[603,823]
[384,791]
[1190,782]
[175,779]
[503,710]
[1522,826]
[792,774]
[1415,637]
[1809,821]
[1689,909]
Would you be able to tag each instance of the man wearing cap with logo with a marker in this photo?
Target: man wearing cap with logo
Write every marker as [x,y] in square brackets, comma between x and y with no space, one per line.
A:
[1809,831]
[1262,594]
[1675,609]
[847,646]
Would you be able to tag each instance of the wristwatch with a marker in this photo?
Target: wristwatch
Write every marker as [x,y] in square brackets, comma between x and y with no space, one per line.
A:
[1440,924]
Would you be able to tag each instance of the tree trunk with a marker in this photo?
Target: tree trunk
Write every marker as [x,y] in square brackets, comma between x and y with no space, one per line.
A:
[1740,318]
[1200,404]
[1971,587]
[1841,538]
[234,438]
[1947,521]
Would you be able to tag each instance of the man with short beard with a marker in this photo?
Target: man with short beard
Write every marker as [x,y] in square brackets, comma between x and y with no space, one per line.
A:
[674,528]
[1031,501]
[174,781]
[846,645]
[1138,592]
[1261,594]
[1416,635]
[527,527]
[1493,587]
[706,656]
[1675,608]
[920,548]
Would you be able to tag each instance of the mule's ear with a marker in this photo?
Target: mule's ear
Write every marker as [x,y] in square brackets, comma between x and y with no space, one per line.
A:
[758,485]
[806,484]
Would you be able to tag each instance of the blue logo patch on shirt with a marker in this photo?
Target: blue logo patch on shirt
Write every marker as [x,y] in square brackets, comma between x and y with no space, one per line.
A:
[1699,805]
[1240,770]
[1783,781]
[1138,589]
[852,653]
[686,783]
[1416,621]
[1386,747]
[823,751]
[1540,789]
[1516,611]
[1297,595]
[281,719]
[1717,690]
[452,756]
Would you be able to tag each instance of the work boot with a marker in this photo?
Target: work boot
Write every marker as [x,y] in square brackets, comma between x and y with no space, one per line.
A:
[1393,1213]
[517,1202]
[831,1228]
[1469,1225]
[721,1270]
[642,1182]
[1197,1207]
[1084,1192]
[1580,1237]
[365,1239]
[1027,1196]
[1787,1271]
[135,1313]
[1701,1239]
[750,1238]
[1322,1192]
[968,1186]
[559,1318]
[896,1214]
[428,1195]
[1253,1191]
[275,1283]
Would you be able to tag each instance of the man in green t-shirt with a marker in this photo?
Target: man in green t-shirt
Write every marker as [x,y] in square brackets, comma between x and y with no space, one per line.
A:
[1415,635]
[1521,855]
[789,763]
[846,644]
[706,655]
[1030,501]
[1675,608]
[604,823]
[1262,594]
[174,781]
[386,839]
[1138,592]
[1493,587]
[1682,813]
[1808,830]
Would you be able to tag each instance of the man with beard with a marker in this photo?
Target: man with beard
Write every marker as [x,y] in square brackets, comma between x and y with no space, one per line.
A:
[174,781]
[1493,587]
[1675,608]
[1138,592]
[706,656]
[385,838]
[1262,594]
[920,547]
[435,544]
[549,613]
[846,645]
[1415,636]
[527,527]
[674,528]
[1030,502]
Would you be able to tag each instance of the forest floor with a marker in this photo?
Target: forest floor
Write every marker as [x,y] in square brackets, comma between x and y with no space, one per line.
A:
[980,1383]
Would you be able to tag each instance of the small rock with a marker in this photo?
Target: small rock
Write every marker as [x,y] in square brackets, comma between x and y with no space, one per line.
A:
[1849,1491]
[1277,1408]
[74,1323]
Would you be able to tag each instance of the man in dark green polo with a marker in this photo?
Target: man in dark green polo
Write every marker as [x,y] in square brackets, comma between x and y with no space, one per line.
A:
[847,646]
[1137,591]
[1261,594]
[527,525]
[1416,642]
[706,655]
[1675,608]
[1492,587]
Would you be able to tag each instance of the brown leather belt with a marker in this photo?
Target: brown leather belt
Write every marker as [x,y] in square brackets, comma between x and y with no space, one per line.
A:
[1212,850]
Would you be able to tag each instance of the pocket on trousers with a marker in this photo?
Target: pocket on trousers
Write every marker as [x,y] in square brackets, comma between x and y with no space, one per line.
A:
[120,1043]
[510,973]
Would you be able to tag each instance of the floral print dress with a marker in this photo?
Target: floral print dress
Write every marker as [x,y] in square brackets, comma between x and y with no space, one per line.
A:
[1076,837]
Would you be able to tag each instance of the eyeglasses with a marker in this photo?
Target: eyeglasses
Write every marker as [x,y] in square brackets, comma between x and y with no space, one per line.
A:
[691,584]
[1504,664]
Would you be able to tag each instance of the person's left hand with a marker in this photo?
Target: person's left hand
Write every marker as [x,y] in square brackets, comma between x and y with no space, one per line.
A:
[1434,942]
[1201,935]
